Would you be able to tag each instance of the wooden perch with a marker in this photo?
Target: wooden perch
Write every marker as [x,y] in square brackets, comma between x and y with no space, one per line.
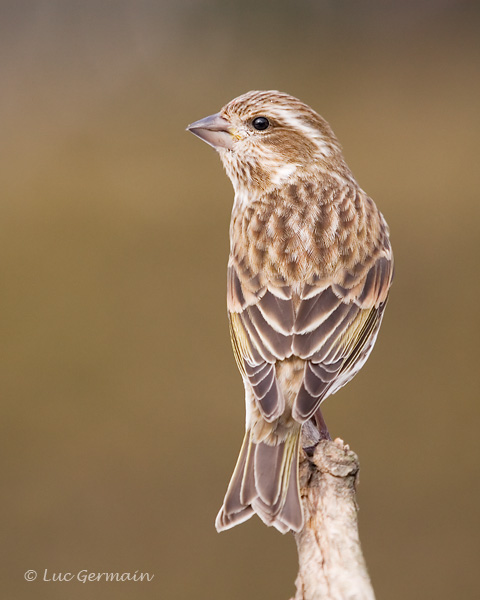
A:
[331,563]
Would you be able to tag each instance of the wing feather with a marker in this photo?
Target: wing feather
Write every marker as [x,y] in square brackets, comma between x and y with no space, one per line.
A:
[277,312]
[315,310]
[332,325]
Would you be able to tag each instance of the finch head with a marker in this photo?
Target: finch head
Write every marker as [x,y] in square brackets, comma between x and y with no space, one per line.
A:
[268,138]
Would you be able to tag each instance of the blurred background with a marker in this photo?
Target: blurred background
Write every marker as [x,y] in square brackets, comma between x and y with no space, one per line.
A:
[122,410]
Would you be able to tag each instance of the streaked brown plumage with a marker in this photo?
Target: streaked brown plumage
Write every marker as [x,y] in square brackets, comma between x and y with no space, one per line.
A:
[309,272]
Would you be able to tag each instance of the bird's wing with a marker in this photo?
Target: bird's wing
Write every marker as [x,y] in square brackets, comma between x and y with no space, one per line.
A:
[336,327]
[332,325]
[261,326]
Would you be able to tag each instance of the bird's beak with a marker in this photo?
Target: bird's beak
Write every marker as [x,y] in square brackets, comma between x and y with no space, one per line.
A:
[215,130]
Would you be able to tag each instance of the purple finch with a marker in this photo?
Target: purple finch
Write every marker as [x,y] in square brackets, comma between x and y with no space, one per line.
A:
[309,273]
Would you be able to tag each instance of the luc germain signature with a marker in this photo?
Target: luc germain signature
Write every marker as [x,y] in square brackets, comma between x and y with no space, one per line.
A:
[85,576]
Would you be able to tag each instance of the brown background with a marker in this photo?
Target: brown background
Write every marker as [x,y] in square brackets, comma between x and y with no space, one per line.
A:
[122,411]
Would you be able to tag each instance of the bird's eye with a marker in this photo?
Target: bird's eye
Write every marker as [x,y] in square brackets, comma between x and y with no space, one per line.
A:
[260,123]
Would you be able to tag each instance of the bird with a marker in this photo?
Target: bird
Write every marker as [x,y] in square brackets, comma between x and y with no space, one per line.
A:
[308,278]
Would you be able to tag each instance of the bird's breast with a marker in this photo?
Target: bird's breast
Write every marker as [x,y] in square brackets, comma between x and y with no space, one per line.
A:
[286,237]
[302,233]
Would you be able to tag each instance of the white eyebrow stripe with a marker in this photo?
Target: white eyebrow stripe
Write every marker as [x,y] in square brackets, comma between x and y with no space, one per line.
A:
[297,123]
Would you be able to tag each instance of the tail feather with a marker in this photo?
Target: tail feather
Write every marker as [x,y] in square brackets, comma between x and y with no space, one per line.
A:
[269,470]
[227,521]
[233,502]
[265,481]
[292,513]
[248,491]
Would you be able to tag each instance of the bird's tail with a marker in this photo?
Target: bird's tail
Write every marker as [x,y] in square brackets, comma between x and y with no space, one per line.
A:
[265,481]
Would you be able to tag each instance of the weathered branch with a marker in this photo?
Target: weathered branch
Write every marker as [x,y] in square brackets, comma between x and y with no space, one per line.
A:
[331,563]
